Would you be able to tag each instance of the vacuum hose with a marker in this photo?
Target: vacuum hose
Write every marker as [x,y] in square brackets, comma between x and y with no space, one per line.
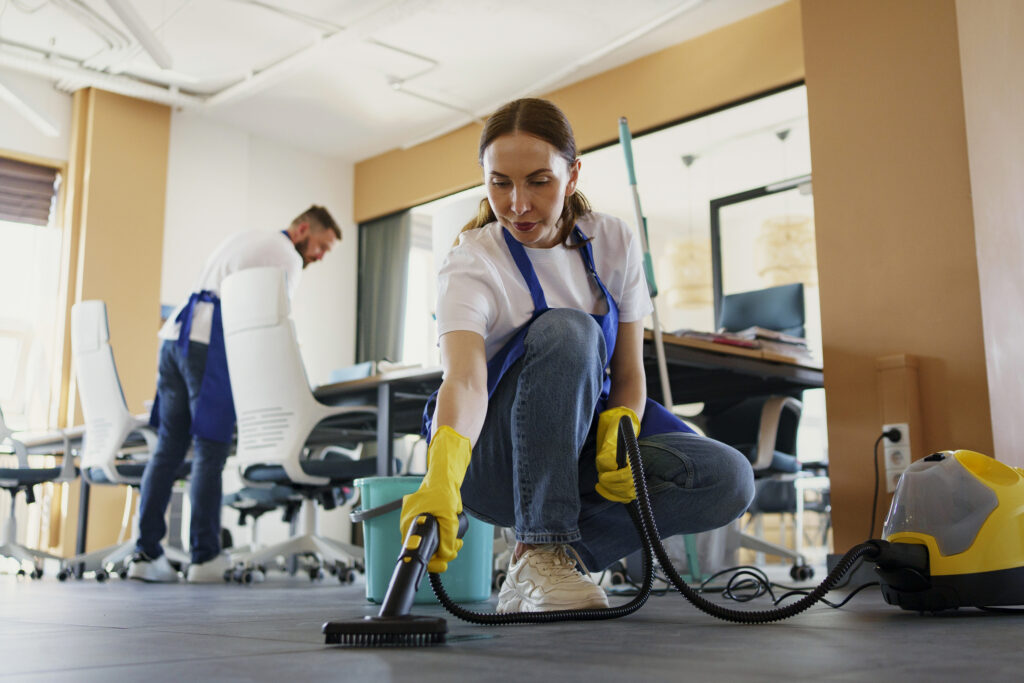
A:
[643,518]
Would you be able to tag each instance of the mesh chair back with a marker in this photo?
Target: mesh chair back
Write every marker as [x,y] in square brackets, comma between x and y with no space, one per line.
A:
[274,405]
[107,419]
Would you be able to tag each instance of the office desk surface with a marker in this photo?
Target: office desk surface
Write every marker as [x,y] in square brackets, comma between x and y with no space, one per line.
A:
[704,371]
[399,396]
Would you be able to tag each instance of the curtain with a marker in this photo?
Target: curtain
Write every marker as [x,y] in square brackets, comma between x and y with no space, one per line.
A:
[27,192]
[384,246]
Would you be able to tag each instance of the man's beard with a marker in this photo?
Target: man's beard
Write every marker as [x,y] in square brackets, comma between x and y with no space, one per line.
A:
[300,248]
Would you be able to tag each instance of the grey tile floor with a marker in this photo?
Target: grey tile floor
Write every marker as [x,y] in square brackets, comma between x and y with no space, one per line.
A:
[128,631]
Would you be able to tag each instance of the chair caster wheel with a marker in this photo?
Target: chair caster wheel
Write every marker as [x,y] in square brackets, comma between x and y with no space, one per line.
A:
[63,575]
[21,573]
[347,577]
[36,573]
[499,579]
[102,575]
[123,574]
[316,574]
[801,572]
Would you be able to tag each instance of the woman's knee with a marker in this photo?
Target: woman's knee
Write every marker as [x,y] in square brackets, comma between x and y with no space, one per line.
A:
[690,462]
[569,333]
[737,477]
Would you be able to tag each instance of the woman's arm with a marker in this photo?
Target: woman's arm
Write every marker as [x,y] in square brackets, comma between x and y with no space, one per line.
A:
[462,398]
[629,381]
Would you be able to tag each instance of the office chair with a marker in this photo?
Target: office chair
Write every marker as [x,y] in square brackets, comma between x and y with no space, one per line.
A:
[116,443]
[764,428]
[23,478]
[285,436]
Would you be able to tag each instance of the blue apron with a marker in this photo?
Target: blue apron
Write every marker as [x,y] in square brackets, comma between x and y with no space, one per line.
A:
[656,420]
[214,415]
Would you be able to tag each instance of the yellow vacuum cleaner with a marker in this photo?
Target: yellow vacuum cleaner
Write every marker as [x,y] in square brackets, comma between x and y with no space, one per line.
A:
[956,527]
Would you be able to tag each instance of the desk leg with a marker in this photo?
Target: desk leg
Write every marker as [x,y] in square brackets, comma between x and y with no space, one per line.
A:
[83,522]
[385,432]
[798,525]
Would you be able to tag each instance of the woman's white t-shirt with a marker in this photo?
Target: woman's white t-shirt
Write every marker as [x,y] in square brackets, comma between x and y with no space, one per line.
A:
[480,288]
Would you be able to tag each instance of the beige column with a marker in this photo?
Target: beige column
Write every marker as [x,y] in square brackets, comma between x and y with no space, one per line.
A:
[117,179]
[895,234]
[991,59]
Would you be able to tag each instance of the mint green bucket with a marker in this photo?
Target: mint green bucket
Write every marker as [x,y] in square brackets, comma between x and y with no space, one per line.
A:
[468,578]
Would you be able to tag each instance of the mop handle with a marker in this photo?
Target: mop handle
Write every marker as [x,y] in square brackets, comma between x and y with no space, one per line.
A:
[627,147]
[659,346]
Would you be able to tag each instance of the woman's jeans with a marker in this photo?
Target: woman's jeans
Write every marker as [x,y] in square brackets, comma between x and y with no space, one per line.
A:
[533,466]
[181,375]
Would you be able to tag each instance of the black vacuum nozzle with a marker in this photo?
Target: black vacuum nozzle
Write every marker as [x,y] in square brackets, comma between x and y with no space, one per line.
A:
[404,631]
[394,626]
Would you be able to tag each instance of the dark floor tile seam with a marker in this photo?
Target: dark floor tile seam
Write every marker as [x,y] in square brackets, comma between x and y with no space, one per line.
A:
[177,661]
[153,630]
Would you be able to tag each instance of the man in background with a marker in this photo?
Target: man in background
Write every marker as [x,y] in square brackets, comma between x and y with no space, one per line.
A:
[193,399]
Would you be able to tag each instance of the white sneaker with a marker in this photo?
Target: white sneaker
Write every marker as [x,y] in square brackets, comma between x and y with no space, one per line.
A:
[544,579]
[211,571]
[145,568]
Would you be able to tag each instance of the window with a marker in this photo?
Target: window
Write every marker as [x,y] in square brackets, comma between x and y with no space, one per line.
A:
[30,245]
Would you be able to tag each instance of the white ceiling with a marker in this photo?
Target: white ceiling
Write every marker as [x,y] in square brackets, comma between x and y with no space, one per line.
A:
[344,78]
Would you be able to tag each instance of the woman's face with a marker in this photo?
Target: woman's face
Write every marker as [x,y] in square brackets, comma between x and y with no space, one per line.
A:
[527,183]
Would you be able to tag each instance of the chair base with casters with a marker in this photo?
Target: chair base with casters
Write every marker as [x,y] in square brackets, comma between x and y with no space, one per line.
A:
[251,503]
[24,478]
[326,554]
[104,562]
[9,546]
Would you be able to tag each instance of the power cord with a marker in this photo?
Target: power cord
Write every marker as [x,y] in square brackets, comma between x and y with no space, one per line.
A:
[894,436]
[745,583]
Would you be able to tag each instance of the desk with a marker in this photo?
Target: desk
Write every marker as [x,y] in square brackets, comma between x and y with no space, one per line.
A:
[705,371]
[698,371]
[399,395]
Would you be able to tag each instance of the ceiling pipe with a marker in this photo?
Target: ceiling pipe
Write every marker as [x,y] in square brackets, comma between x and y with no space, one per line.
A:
[134,23]
[540,86]
[258,80]
[55,71]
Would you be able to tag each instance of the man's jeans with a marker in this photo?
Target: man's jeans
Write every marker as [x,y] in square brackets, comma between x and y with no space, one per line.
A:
[533,466]
[181,375]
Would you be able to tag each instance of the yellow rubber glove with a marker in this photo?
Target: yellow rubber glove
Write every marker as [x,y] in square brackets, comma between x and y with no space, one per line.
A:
[613,482]
[447,461]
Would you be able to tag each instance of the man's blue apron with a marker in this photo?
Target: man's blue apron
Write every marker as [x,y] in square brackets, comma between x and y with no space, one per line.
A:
[214,415]
[656,420]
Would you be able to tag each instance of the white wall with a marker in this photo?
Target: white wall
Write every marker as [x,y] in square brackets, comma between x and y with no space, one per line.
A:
[220,180]
[18,135]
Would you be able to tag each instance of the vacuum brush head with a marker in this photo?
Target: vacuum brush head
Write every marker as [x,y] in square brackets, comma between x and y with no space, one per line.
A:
[376,631]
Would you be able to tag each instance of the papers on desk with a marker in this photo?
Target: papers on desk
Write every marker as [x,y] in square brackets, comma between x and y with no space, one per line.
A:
[772,345]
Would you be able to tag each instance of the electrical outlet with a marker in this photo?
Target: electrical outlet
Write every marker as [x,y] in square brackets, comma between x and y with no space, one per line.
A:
[897,458]
[892,479]
[897,454]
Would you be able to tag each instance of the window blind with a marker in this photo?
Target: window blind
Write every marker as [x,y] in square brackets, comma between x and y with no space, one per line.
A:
[27,192]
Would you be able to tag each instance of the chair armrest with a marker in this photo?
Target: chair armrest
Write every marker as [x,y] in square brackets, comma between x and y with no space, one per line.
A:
[19,450]
[321,452]
[68,471]
[771,414]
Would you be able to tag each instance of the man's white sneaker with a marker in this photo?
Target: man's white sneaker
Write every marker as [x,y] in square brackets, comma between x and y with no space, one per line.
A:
[211,571]
[545,578]
[145,568]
